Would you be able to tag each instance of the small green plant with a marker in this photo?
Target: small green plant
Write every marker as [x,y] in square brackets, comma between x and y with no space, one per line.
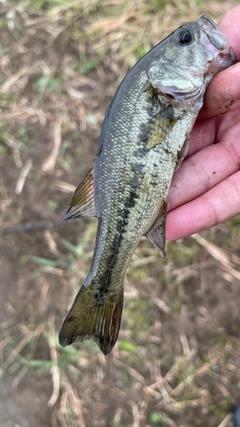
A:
[48,83]
[158,418]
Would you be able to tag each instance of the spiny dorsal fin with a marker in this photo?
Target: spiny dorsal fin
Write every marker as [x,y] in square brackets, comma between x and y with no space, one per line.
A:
[82,202]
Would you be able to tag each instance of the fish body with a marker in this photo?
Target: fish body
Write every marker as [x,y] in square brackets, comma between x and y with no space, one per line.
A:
[143,140]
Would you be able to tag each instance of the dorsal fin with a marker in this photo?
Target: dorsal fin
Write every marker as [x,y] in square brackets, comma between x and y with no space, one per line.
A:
[82,202]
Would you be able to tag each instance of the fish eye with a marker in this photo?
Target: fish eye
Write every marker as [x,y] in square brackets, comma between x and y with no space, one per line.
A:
[185,37]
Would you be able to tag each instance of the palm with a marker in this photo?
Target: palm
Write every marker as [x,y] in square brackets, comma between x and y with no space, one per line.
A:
[205,190]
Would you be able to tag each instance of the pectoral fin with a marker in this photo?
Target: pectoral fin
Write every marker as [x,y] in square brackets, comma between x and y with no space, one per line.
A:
[156,234]
[82,202]
[158,128]
[182,153]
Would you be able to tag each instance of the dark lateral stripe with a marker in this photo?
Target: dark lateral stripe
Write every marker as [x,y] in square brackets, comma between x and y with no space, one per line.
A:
[106,279]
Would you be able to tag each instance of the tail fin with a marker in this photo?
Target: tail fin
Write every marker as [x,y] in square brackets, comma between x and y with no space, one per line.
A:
[93,318]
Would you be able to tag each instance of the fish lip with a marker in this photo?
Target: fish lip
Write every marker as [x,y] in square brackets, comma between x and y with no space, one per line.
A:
[227,57]
[219,42]
[233,58]
[213,32]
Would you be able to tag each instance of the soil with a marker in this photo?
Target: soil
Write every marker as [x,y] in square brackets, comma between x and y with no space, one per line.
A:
[181,316]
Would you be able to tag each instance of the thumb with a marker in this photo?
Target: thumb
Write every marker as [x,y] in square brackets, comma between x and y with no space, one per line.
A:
[223,93]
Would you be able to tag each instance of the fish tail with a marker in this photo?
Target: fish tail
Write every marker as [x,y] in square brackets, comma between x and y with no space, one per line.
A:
[93,317]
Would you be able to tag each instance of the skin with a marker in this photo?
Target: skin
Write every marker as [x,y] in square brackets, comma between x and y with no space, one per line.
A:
[205,191]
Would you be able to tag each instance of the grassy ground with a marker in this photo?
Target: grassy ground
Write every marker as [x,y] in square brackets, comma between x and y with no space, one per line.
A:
[176,362]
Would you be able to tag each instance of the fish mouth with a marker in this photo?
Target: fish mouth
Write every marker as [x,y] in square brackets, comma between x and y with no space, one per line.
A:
[217,43]
[190,82]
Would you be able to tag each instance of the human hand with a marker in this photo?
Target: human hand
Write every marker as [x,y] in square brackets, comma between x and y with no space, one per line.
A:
[205,191]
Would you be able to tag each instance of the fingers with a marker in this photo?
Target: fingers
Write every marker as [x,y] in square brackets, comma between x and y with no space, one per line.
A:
[229,24]
[206,168]
[223,93]
[228,130]
[202,135]
[217,205]
[205,190]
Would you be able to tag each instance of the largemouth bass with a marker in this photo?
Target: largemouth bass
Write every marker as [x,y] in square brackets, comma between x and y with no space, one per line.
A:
[143,140]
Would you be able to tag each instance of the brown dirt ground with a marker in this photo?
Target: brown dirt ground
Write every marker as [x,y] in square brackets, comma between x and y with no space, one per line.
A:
[177,361]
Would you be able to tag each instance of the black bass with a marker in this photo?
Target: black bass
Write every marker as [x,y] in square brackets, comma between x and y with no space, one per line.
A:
[143,140]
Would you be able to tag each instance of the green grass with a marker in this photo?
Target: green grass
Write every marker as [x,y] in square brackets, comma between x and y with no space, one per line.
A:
[66,58]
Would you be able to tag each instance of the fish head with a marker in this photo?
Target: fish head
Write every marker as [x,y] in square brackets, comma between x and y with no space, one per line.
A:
[187,60]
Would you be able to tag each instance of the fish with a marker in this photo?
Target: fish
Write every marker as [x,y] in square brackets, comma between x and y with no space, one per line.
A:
[236,414]
[143,140]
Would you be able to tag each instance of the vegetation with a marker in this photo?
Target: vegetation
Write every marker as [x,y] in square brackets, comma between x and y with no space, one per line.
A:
[177,358]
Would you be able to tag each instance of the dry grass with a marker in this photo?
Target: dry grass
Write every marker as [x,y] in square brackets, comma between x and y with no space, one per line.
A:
[177,359]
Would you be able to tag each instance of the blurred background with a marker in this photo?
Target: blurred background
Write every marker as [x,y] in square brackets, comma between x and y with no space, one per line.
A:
[176,362]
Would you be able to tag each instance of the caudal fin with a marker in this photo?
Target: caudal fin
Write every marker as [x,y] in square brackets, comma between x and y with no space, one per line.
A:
[93,318]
